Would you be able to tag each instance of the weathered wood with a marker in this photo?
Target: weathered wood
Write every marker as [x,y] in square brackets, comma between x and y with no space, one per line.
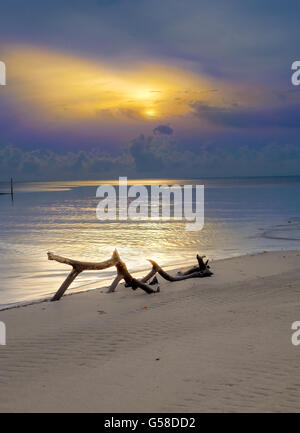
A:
[86,266]
[146,277]
[153,282]
[189,271]
[149,275]
[200,271]
[79,267]
[130,281]
[115,283]
[168,277]
[202,266]
[70,278]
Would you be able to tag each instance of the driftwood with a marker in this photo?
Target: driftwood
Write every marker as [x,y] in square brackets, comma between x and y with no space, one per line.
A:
[79,267]
[204,267]
[200,271]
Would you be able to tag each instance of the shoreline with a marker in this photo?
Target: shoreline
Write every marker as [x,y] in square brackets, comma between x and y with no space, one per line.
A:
[213,344]
[137,274]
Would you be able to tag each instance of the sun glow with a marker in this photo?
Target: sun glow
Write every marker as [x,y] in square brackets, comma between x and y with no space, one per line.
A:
[150,112]
[51,84]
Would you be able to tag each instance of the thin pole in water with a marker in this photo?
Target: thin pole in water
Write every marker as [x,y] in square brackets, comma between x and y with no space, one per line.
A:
[11,188]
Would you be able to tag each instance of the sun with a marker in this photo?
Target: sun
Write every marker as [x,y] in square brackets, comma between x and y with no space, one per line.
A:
[150,112]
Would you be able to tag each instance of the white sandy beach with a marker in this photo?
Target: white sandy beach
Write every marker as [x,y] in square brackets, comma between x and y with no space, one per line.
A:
[220,344]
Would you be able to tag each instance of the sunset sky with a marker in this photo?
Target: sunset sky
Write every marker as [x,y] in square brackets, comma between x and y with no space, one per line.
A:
[101,89]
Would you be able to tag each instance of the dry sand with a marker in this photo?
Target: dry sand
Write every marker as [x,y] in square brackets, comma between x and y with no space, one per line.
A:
[214,344]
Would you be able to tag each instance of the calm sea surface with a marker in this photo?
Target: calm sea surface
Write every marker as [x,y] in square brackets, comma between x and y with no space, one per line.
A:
[241,216]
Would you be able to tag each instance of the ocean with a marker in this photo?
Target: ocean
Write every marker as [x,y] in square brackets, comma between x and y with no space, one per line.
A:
[242,216]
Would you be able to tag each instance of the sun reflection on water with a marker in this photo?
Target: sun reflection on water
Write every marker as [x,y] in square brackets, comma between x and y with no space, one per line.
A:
[61,217]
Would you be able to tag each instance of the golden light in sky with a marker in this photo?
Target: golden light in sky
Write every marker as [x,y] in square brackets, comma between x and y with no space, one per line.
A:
[62,88]
[150,112]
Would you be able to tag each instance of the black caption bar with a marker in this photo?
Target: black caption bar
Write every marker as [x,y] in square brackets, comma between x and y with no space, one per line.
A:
[144,422]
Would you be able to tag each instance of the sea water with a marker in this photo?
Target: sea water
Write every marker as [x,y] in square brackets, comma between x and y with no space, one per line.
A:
[242,216]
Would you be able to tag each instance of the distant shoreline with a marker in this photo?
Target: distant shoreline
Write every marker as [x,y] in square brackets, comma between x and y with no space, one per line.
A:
[154,178]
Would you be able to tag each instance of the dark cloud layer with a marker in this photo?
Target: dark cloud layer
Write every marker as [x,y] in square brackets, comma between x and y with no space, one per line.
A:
[238,117]
[152,156]
[232,38]
[163,130]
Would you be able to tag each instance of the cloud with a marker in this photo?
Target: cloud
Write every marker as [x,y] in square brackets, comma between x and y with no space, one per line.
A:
[162,156]
[48,165]
[163,130]
[74,93]
[52,86]
[223,39]
[239,117]
[158,156]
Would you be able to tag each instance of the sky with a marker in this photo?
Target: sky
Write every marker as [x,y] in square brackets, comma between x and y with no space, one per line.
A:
[109,88]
